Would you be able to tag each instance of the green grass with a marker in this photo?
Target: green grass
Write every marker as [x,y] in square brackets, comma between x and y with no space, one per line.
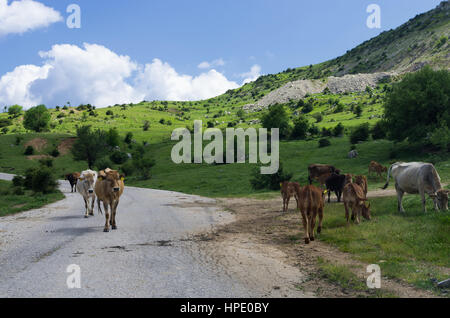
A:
[413,247]
[11,204]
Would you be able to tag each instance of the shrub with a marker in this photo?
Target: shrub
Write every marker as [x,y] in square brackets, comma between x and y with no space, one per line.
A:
[37,118]
[18,181]
[18,191]
[90,145]
[277,117]
[29,151]
[300,129]
[338,130]
[318,117]
[146,125]
[326,132]
[360,133]
[379,130]
[15,111]
[307,108]
[266,181]
[324,143]
[128,168]
[19,140]
[55,153]
[110,113]
[40,180]
[119,157]
[358,111]
[143,166]
[314,130]
[113,137]
[46,162]
[128,138]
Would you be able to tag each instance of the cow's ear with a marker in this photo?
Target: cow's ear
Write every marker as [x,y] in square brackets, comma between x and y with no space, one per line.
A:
[122,177]
[81,178]
[100,178]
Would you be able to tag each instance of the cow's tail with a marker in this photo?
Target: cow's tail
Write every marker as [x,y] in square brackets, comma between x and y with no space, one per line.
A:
[388,177]
[99,207]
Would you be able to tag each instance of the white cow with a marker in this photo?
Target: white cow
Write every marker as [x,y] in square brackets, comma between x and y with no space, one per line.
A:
[85,187]
[418,178]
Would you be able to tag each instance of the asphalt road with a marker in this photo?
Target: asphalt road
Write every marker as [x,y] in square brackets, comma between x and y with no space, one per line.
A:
[153,253]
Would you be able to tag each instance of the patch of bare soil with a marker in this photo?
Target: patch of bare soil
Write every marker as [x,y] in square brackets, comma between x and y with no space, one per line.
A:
[38,144]
[65,146]
[262,238]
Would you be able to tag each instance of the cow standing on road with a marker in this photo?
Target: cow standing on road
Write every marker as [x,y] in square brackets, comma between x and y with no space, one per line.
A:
[335,183]
[85,188]
[73,180]
[311,203]
[108,189]
[287,192]
[418,178]
[354,199]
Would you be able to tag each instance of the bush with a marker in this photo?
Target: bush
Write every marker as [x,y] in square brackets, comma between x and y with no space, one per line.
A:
[113,137]
[119,157]
[103,163]
[40,180]
[324,143]
[277,117]
[55,153]
[110,113]
[128,138]
[37,118]
[90,145]
[142,166]
[18,191]
[318,117]
[29,151]
[128,168]
[15,111]
[18,181]
[307,108]
[379,130]
[19,140]
[338,131]
[300,129]
[146,125]
[46,162]
[418,105]
[360,133]
[266,181]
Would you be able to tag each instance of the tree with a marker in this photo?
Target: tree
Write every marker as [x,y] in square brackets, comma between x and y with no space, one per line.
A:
[15,111]
[360,133]
[338,130]
[90,145]
[301,126]
[277,117]
[37,118]
[418,105]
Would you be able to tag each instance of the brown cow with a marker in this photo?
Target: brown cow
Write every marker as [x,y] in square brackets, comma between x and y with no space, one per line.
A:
[317,170]
[355,199]
[376,167]
[287,192]
[73,180]
[362,182]
[108,189]
[311,203]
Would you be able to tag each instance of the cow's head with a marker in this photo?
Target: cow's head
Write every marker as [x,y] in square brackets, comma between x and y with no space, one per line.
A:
[348,178]
[441,199]
[366,212]
[89,180]
[113,178]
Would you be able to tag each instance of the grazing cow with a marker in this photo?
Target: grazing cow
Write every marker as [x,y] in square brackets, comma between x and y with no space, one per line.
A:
[287,192]
[418,178]
[376,167]
[310,203]
[353,154]
[362,182]
[335,183]
[354,198]
[85,187]
[73,180]
[108,189]
[317,170]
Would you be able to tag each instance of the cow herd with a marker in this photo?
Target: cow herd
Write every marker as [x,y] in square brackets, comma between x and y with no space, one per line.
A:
[414,178]
[106,187]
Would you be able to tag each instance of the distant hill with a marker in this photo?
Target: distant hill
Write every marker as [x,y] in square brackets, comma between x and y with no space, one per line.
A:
[420,41]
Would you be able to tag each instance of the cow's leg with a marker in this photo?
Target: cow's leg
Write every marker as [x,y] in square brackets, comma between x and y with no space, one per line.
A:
[86,206]
[114,211]
[400,194]
[312,224]
[424,200]
[329,196]
[305,226]
[287,203]
[339,195]
[346,212]
[107,216]
[91,212]
[319,229]
[284,203]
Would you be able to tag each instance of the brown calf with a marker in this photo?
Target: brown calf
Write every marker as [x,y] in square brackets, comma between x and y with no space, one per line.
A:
[317,170]
[287,192]
[108,189]
[311,203]
[377,168]
[355,199]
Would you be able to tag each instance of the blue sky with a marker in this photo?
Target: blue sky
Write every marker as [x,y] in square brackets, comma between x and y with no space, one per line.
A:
[272,34]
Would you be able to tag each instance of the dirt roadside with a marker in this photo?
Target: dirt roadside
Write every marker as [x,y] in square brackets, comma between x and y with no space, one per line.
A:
[261,238]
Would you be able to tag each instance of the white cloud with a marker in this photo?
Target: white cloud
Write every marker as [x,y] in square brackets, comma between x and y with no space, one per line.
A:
[160,81]
[206,65]
[253,75]
[26,15]
[96,75]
